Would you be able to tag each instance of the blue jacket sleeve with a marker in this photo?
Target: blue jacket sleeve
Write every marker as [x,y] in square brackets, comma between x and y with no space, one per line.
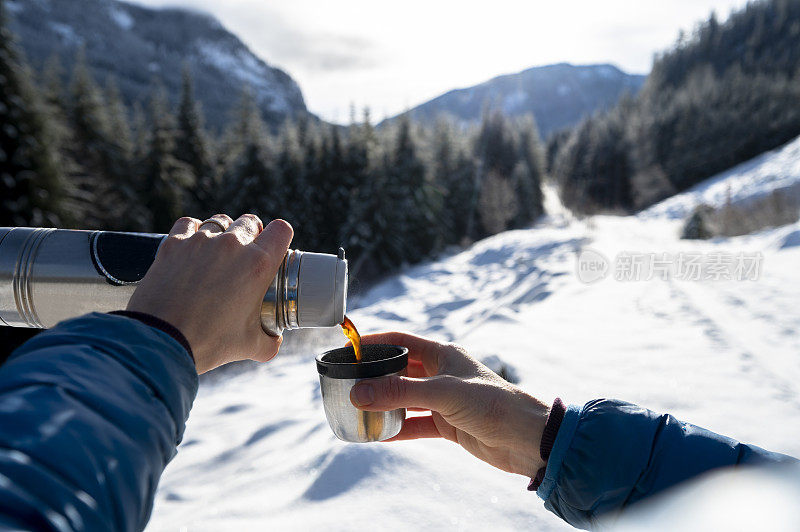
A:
[610,454]
[91,411]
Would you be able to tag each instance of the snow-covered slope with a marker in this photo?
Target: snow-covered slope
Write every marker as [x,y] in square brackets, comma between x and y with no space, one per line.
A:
[720,353]
[778,169]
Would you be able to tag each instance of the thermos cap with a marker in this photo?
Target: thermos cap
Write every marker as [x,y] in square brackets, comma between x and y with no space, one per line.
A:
[322,292]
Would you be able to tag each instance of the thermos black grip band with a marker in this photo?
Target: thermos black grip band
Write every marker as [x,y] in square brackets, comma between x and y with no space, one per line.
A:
[123,258]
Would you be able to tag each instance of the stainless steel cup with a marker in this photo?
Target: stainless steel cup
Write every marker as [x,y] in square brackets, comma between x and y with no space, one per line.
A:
[339,372]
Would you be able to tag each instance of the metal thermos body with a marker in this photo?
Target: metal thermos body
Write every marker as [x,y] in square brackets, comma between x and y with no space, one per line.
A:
[49,275]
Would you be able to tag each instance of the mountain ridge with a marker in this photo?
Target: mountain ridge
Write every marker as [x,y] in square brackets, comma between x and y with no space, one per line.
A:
[138,45]
[558,95]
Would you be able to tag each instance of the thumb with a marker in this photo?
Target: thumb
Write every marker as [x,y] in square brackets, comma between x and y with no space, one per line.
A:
[274,240]
[441,393]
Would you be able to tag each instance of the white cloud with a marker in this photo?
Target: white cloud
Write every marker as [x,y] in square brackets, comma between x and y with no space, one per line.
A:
[393,55]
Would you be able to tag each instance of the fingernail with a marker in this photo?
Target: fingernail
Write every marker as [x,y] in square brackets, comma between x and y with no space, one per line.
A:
[364,394]
[280,225]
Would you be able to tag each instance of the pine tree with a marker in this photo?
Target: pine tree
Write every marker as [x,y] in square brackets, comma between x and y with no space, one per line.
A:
[464,196]
[418,202]
[52,85]
[32,189]
[246,123]
[376,242]
[594,167]
[362,233]
[443,163]
[295,192]
[165,177]
[118,120]
[338,188]
[528,174]
[55,100]
[192,148]
[55,103]
[255,173]
[696,226]
[316,185]
[497,150]
[127,211]
[140,132]
[495,144]
[554,144]
[498,204]
[99,159]
[454,174]
[253,176]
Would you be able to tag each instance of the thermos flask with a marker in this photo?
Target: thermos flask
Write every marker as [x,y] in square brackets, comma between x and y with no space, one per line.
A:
[48,275]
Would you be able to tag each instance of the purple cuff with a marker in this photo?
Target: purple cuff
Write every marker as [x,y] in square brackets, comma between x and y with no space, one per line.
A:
[551,427]
[161,325]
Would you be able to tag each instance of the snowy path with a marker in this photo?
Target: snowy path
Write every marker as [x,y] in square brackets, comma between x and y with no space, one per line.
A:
[723,354]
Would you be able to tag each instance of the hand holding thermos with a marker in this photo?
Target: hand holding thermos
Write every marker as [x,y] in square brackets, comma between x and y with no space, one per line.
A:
[209,283]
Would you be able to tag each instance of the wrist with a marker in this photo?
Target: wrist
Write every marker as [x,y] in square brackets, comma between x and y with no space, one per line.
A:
[530,427]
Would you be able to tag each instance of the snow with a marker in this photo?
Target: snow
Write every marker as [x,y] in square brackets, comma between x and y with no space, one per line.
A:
[514,101]
[722,354]
[247,68]
[724,501]
[66,32]
[123,19]
[14,7]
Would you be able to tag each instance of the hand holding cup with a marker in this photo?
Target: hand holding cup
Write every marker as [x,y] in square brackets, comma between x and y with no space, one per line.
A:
[467,402]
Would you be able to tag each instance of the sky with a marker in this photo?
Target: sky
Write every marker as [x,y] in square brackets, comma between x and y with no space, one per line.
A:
[390,55]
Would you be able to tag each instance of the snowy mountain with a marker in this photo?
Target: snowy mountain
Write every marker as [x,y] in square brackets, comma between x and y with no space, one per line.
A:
[258,452]
[558,95]
[138,45]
